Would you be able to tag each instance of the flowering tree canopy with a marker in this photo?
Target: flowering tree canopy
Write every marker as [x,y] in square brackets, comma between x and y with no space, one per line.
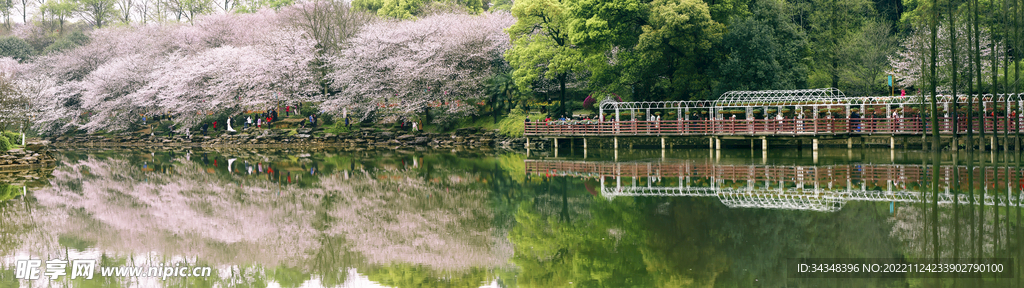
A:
[395,69]
[222,64]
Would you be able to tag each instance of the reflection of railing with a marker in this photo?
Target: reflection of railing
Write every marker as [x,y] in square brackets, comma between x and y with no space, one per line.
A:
[819,188]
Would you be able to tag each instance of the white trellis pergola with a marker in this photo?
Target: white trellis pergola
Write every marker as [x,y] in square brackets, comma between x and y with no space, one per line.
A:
[681,107]
[813,99]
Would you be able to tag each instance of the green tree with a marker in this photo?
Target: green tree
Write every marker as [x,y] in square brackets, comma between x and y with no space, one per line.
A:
[16,48]
[831,22]
[865,55]
[657,50]
[541,46]
[61,10]
[97,12]
[766,51]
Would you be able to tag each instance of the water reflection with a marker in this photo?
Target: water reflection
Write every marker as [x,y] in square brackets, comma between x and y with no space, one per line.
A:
[321,218]
[802,187]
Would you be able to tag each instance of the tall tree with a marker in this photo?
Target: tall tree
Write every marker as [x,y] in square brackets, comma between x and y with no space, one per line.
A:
[330,23]
[60,10]
[97,12]
[655,51]
[394,70]
[541,46]
[950,7]
[831,21]
[766,51]
[934,24]
[124,10]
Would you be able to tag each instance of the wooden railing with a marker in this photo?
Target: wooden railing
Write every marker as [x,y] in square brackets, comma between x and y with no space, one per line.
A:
[858,126]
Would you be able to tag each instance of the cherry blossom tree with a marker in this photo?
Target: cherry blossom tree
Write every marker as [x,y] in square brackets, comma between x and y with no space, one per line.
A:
[222,64]
[394,70]
[913,55]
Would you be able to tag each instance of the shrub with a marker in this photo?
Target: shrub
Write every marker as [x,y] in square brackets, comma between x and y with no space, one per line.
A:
[13,137]
[338,129]
[512,125]
[4,143]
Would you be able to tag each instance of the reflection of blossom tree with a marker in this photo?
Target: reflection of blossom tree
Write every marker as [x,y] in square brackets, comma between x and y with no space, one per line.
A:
[241,220]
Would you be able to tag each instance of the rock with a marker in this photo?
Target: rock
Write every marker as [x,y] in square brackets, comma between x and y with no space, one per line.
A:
[304,130]
[420,141]
[405,137]
[302,136]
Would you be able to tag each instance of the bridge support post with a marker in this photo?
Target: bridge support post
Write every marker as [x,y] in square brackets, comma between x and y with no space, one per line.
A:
[814,145]
[584,143]
[527,143]
[711,143]
[849,143]
[718,143]
[993,140]
[764,143]
[616,142]
[892,142]
[556,144]
[799,144]
[662,143]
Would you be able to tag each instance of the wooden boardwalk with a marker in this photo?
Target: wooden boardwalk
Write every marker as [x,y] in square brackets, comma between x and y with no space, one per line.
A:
[762,127]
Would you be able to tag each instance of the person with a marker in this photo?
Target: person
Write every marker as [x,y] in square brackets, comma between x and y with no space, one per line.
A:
[895,119]
[214,125]
[229,125]
[854,116]
[205,125]
[310,120]
[346,121]
[259,123]
[414,126]
[287,110]
[780,118]
[248,121]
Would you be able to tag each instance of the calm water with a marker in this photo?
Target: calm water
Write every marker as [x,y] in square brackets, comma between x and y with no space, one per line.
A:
[600,218]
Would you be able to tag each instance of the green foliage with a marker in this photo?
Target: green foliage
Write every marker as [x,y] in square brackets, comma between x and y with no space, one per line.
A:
[368,5]
[289,277]
[513,125]
[767,51]
[5,144]
[831,22]
[13,137]
[309,109]
[541,46]
[16,48]
[68,42]
[8,192]
[407,275]
[338,129]
[666,58]
[410,9]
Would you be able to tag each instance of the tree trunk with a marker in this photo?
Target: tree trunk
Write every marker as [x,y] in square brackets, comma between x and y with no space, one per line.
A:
[561,85]
[933,79]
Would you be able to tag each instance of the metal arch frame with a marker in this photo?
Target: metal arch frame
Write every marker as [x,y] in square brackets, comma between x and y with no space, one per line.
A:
[647,106]
[827,96]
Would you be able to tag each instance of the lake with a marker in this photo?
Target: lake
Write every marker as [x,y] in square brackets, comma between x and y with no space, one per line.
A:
[595,218]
